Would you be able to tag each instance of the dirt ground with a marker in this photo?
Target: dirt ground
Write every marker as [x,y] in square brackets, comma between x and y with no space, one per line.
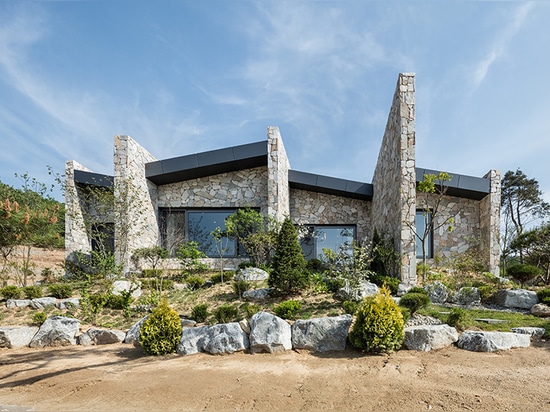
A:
[120,377]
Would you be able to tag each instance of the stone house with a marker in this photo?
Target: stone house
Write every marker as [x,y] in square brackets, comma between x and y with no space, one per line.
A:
[186,197]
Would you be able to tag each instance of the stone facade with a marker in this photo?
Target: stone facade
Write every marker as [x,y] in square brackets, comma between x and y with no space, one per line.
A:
[277,182]
[490,224]
[76,237]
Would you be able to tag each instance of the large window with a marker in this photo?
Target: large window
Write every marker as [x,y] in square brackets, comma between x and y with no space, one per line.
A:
[180,225]
[331,237]
[423,219]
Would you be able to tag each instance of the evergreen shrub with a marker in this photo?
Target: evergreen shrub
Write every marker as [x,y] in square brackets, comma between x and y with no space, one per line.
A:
[160,334]
[32,292]
[288,309]
[199,313]
[544,296]
[226,313]
[60,290]
[414,301]
[10,292]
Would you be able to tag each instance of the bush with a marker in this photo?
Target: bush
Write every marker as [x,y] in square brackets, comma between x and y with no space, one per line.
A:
[114,301]
[160,334]
[414,301]
[226,313]
[288,309]
[544,296]
[379,325]
[458,318]
[60,290]
[39,318]
[240,286]
[418,289]
[247,264]
[486,292]
[523,273]
[151,273]
[195,282]
[10,292]
[315,265]
[391,283]
[250,309]
[155,284]
[199,313]
[350,306]
[32,292]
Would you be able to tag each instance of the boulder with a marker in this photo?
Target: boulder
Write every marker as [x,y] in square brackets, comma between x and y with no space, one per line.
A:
[251,274]
[467,297]
[427,337]
[541,310]
[68,303]
[269,333]
[438,292]
[535,333]
[186,323]
[516,298]
[403,288]
[492,341]
[257,294]
[245,326]
[95,336]
[359,292]
[56,331]
[41,303]
[18,303]
[125,285]
[16,336]
[132,335]
[226,338]
[193,340]
[321,334]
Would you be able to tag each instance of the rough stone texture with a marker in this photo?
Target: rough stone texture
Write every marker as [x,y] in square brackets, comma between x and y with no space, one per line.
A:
[427,337]
[364,289]
[133,334]
[541,310]
[18,303]
[420,320]
[67,303]
[437,292]
[516,298]
[13,337]
[489,209]
[321,334]
[56,331]
[492,341]
[120,286]
[96,336]
[257,294]
[193,340]
[535,333]
[277,179]
[403,288]
[251,274]
[226,338]
[269,333]
[245,326]
[467,297]
[41,303]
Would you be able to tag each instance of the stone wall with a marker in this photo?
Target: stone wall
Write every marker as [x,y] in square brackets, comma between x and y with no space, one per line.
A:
[322,209]
[278,166]
[490,224]
[394,181]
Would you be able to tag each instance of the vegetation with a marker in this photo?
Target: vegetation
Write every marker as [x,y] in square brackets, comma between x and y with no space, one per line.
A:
[160,334]
[200,312]
[288,309]
[414,301]
[226,313]
[523,273]
[60,290]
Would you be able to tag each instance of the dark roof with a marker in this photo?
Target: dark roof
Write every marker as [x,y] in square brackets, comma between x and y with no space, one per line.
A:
[468,187]
[92,179]
[210,163]
[329,185]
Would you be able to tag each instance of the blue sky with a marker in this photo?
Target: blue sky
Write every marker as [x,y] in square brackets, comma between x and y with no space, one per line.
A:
[182,77]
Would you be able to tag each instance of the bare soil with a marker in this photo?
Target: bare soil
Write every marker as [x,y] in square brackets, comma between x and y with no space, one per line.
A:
[121,377]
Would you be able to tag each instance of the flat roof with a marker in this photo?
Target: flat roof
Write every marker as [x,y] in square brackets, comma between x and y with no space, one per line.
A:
[468,187]
[93,179]
[330,185]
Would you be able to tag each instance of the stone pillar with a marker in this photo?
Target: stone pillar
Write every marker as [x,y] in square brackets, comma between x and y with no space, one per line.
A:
[394,181]
[490,224]
[278,204]
[136,211]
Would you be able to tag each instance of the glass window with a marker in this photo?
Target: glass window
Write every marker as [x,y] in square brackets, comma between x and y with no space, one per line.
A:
[172,229]
[201,224]
[331,237]
[422,221]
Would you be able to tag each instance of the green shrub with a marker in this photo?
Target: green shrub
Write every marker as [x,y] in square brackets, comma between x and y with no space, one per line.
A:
[151,273]
[195,282]
[32,292]
[240,286]
[417,289]
[114,301]
[318,284]
[288,309]
[199,313]
[160,334]
[247,264]
[10,292]
[350,306]
[414,301]
[60,290]
[39,318]
[157,284]
[391,283]
[544,296]
[486,292]
[226,313]
[458,318]
[250,309]
[523,273]
[379,325]
[315,265]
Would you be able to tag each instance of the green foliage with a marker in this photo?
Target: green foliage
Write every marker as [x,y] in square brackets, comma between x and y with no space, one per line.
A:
[534,246]
[32,292]
[38,318]
[153,255]
[160,334]
[315,265]
[195,282]
[288,309]
[226,313]
[199,313]
[486,292]
[350,306]
[151,273]
[60,290]
[289,274]
[544,296]
[10,292]
[417,289]
[250,309]
[379,325]
[385,259]
[523,273]
[189,256]
[391,283]
[317,284]
[458,318]
[48,275]
[240,286]
[414,301]
[246,264]
[91,305]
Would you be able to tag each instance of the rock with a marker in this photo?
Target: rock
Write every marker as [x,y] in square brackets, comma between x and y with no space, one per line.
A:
[535,333]
[41,303]
[226,338]
[125,285]
[193,340]
[96,336]
[364,289]
[492,341]
[187,323]
[437,292]
[403,288]
[251,274]
[18,303]
[56,331]
[257,294]
[16,336]
[68,303]
[467,297]
[132,336]
[321,334]
[245,326]
[541,310]
[427,337]
[417,319]
[269,333]
[516,298]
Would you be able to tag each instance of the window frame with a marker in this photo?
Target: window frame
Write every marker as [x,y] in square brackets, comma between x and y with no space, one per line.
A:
[315,245]
[429,242]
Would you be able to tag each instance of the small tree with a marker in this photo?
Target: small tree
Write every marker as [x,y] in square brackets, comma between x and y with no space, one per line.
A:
[154,255]
[189,256]
[535,247]
[523,273]
[222,246]
[289,274]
